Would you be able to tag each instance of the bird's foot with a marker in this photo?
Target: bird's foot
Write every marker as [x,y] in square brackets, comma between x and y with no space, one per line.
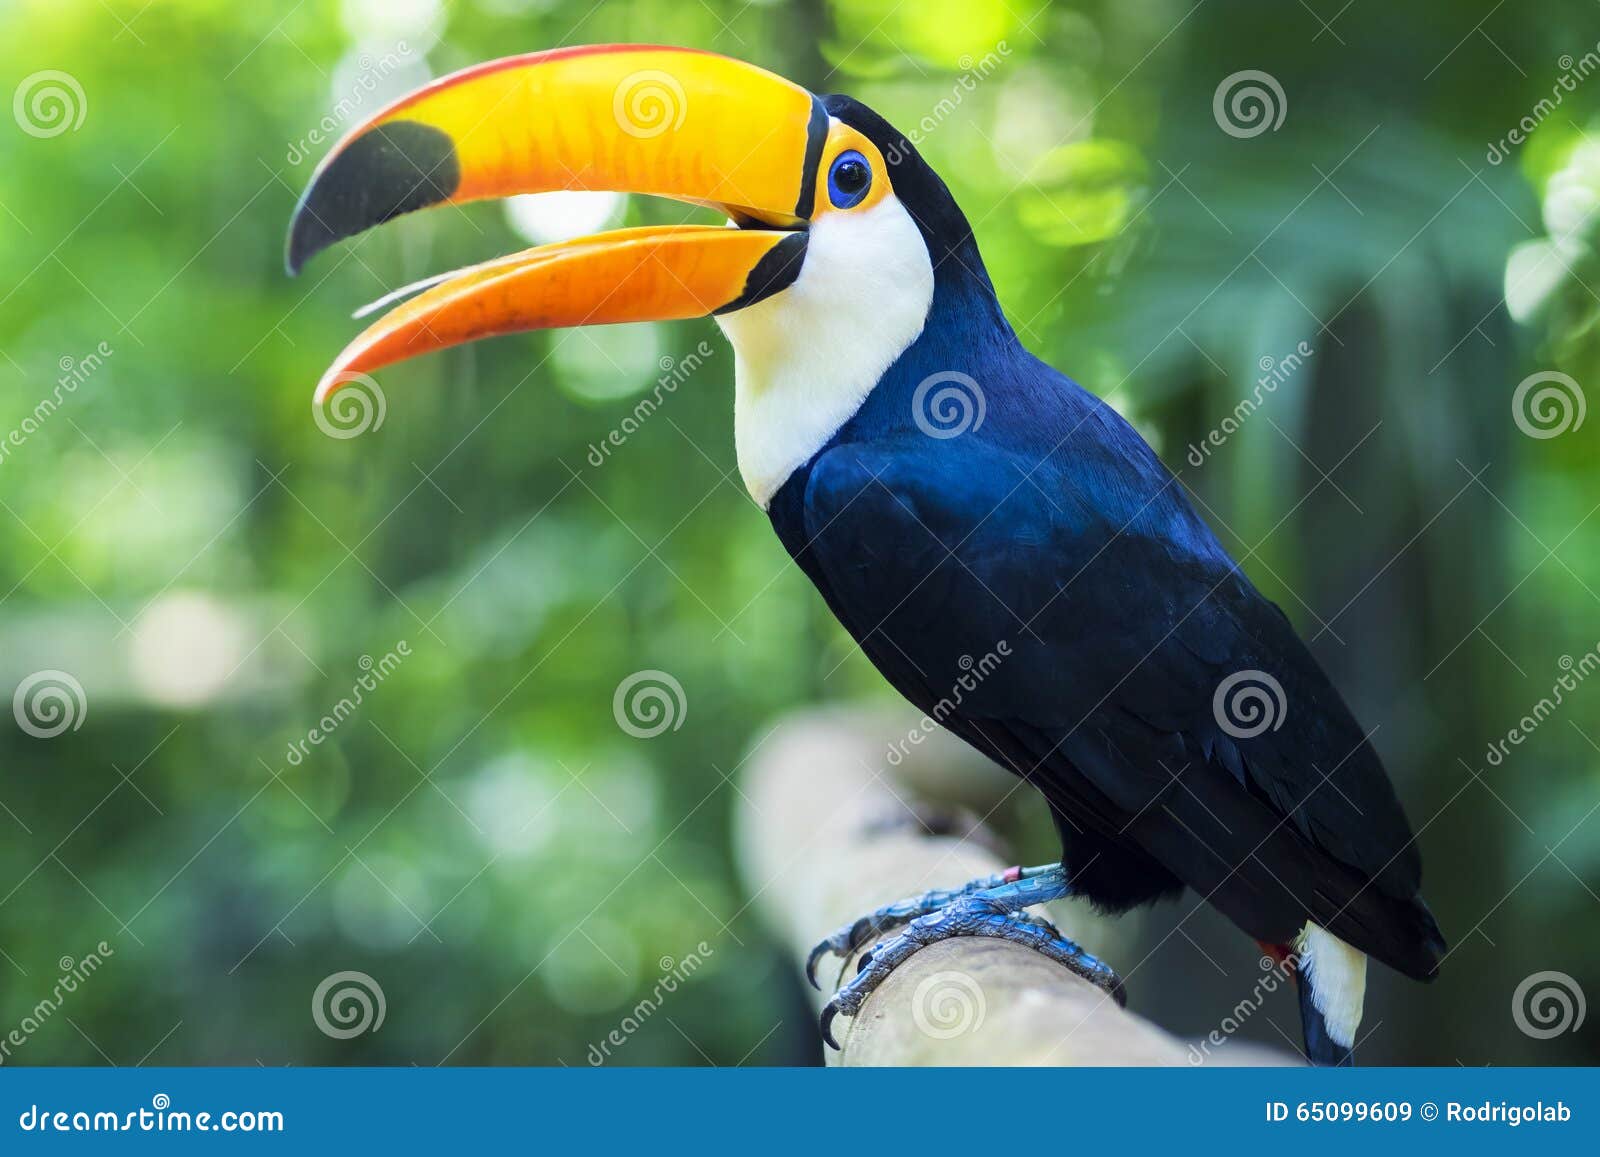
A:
[991,907]
[858,932]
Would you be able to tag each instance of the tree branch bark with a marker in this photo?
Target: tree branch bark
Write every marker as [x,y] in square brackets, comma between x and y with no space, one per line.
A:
[827,831]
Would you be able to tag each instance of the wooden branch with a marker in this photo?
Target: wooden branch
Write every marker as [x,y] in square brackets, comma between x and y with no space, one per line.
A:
[828,830]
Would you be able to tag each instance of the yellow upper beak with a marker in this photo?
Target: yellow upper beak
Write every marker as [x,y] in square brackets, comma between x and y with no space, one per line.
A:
[628,118]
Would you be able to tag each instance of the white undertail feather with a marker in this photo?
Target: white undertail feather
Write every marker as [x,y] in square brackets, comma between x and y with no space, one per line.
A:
[806,358]
[1337,974]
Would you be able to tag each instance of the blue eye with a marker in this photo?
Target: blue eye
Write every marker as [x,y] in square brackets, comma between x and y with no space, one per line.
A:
[849,179]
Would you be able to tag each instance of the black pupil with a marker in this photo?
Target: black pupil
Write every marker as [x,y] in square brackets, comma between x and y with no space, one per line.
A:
[851,176]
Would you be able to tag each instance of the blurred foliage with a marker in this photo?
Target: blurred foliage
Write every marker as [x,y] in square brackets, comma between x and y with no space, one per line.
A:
[479,835]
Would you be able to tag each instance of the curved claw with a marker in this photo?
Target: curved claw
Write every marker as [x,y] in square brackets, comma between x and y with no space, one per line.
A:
[812,960]
[828,1013]
[841,943]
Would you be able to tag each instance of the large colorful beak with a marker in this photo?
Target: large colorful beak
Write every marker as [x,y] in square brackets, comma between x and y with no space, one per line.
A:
[675,123]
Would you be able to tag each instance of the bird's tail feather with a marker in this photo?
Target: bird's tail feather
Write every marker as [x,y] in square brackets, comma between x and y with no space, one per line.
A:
[1321,1049]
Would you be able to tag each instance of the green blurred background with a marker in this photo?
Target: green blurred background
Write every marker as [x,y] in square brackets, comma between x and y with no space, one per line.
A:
[480,836]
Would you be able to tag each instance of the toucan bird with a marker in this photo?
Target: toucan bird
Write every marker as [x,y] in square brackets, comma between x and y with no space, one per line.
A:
[950,495]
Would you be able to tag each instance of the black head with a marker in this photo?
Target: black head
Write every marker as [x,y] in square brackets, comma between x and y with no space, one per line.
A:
[944,228]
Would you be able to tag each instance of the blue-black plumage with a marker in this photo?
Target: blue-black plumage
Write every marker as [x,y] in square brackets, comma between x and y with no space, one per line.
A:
[950,495]
[1052,526]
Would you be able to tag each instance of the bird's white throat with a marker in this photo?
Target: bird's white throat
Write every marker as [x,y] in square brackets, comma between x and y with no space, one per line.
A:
[806,358]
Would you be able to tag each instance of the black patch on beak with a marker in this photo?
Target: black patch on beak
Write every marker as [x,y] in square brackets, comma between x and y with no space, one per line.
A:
[816,137]
[775,272]
[393,169]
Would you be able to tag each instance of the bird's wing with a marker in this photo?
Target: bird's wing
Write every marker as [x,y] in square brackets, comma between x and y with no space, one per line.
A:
[1101,618]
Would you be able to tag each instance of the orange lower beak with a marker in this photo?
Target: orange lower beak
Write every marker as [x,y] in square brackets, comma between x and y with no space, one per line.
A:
[662,273]
[676,123]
